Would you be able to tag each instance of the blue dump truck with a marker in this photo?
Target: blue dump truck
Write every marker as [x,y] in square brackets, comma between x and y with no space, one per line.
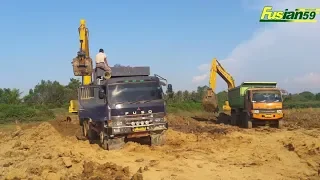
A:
[128,103]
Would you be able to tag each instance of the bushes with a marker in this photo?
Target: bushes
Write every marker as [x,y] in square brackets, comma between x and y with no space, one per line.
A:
[23,113]
[184,106]
[297,105]
[174,107]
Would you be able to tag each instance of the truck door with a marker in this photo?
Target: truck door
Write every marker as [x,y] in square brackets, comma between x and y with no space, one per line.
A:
[247,101]
[90,105]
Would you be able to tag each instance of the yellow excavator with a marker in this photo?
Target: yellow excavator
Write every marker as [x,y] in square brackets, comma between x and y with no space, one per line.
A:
[209,101]
[82,63]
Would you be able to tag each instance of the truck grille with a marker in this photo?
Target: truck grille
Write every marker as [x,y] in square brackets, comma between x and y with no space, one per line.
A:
[267,110]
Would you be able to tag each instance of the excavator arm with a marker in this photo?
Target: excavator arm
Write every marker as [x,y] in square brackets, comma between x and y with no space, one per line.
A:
[82,63]
[216,68]
[210,102]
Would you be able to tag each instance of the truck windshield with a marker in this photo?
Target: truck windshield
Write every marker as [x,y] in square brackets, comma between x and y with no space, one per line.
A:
[266,96]
[132,92]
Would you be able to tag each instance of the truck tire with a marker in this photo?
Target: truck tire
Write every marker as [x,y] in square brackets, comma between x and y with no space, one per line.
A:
[280,124]
[92,136]
[233,119]
[84,129]
[247,121]
[158,139]
[112,144]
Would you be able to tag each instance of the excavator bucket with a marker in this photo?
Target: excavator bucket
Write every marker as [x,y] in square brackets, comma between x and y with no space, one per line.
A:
[210,102]
[82,66]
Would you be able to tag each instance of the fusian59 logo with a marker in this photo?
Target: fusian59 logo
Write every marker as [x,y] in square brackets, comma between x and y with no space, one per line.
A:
[298,15]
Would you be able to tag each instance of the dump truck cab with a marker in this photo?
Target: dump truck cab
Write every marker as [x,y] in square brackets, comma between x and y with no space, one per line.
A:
[256,103]
[264,105]
[128,105]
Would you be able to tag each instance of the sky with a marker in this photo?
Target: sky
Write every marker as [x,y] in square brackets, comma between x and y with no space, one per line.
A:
[177,39]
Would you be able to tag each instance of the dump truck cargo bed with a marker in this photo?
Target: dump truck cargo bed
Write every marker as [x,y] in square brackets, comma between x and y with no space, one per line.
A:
[236,95]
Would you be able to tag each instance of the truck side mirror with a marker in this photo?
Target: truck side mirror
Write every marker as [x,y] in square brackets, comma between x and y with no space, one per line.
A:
[162,83]
[101,94]
[169,90]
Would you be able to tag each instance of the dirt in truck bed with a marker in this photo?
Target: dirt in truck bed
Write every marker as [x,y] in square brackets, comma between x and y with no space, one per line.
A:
[197,147]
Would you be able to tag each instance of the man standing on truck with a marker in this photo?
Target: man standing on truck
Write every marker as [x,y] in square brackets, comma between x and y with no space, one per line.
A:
[101,61]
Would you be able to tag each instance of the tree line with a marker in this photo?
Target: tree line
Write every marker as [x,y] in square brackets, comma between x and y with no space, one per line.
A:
[52,94]
[304,99]
[47,95]
[37,105]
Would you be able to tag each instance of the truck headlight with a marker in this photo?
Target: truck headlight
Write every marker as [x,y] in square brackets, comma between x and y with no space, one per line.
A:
[118,123]
[279,111]
[255,111]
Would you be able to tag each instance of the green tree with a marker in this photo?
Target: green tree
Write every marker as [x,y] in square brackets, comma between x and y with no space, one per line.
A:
[186,95]
[307,95]
[50,93]
[71,90]
[10,96]
[317,96]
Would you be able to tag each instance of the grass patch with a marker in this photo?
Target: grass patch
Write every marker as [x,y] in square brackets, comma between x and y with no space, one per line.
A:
[24,113]
[184,107]
[306,118]
[301,117]
[301,104]
[60,111]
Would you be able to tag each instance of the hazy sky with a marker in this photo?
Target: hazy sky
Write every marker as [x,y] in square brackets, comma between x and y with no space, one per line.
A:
[177,39]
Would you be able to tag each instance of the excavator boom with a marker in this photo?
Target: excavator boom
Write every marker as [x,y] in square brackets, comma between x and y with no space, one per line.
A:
[210,101]
[82,63]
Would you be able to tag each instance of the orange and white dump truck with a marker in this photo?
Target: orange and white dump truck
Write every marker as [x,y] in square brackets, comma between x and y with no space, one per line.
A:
[256,103]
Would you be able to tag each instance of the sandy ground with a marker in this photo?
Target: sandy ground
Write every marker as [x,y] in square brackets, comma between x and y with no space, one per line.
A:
[196,148]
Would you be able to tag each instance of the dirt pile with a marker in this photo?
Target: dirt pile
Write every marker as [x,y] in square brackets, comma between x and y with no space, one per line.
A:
[42,153]
[196,148]
[199,124]
[106,171]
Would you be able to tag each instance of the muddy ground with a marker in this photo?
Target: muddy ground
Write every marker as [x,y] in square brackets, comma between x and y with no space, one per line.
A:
[196,148]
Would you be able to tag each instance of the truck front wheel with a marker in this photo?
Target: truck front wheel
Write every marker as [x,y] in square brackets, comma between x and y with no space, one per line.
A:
[112,144]
[158,139]
[280,124]
[92,136]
